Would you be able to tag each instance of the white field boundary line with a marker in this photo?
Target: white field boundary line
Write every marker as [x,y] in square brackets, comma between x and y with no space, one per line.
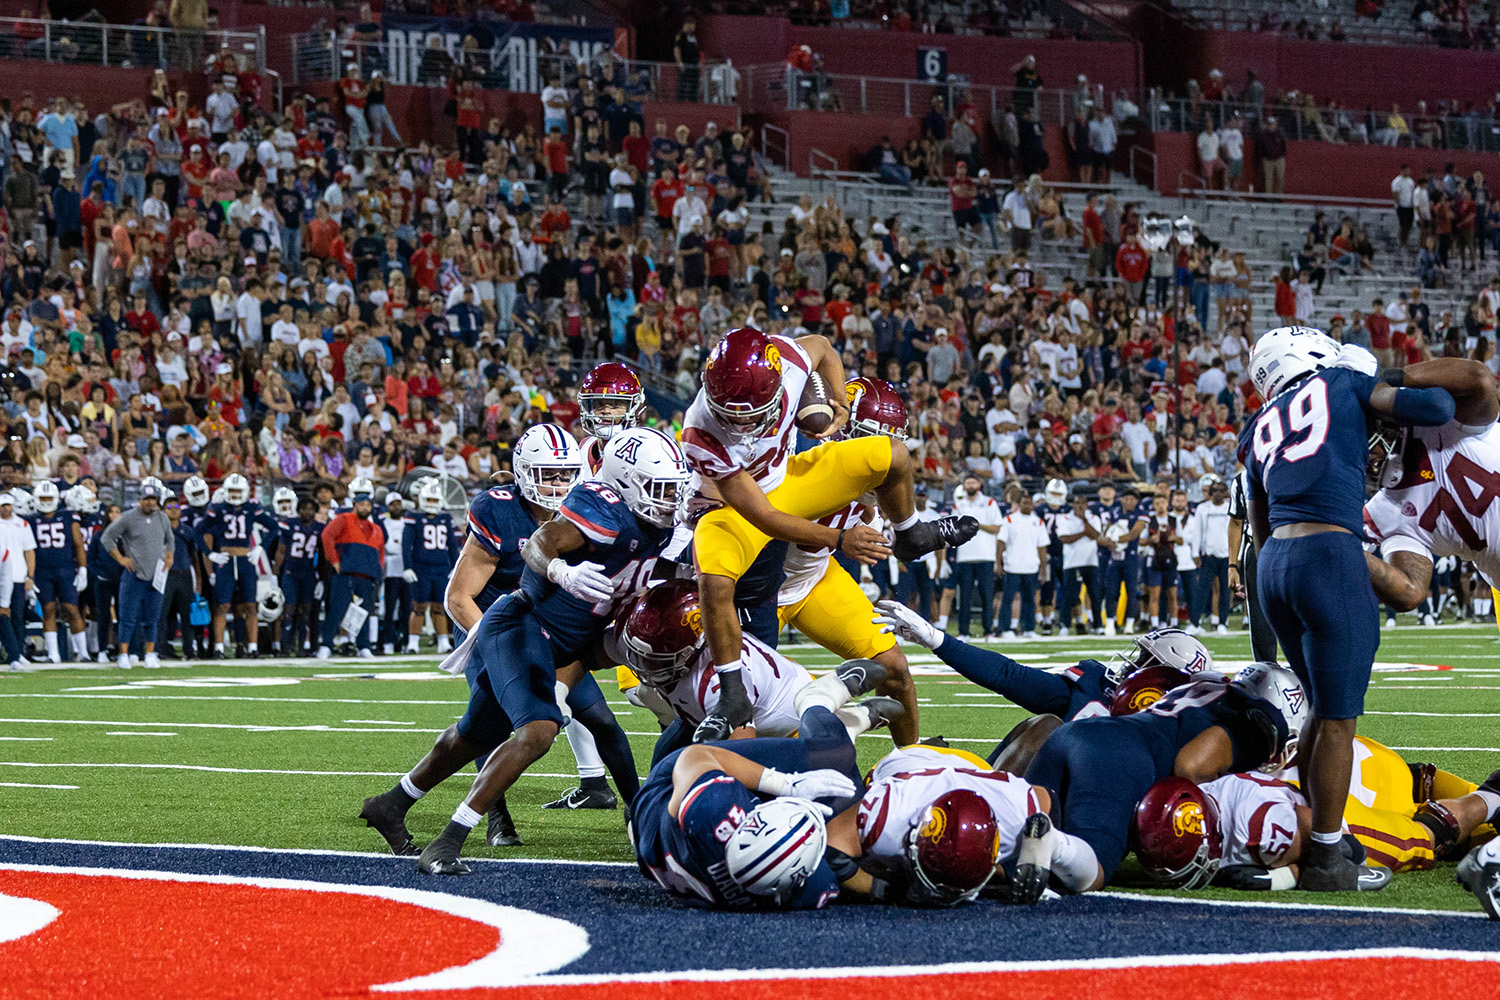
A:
[243,726]
[27,784]
[1186,900]
[251,770]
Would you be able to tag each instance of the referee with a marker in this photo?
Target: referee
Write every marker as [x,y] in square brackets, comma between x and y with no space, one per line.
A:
[1242,573]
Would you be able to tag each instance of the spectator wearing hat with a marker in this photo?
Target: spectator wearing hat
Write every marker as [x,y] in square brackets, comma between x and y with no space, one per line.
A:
[140,540]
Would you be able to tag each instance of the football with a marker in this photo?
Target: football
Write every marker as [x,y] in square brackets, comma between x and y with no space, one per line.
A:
[814,411]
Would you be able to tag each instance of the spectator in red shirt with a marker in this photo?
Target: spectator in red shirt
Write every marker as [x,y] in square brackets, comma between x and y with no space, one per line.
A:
[664,194]
[1132,264]
[1379,327]
[1093,236]
[961,193]
[720,257]
[555,153]
[1286,299]
[352,90]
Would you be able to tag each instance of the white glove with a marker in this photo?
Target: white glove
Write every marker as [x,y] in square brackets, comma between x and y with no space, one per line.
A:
[906,624]
[1357,358]
[219,558]
[81,578]
[585,580]
[822,784]
[318,591]
[409,576]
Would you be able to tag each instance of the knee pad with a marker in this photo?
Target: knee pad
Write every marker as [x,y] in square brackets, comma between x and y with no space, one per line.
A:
[1447,836]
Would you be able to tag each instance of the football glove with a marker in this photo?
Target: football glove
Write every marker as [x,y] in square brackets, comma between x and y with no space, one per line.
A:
[906,624]
[81,578]
[824,783]
[586,580]
[410,576]
[219,558]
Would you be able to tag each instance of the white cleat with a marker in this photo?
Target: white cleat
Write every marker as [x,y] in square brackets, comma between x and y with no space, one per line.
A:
[1222,629]
[1008,634]
[324,652]
[153,662]
[54,657]
[1390,623]
[1109,627]
[1428,620]
[102,658]
[123,662]
[366,653]
[1030,635]
[389,649]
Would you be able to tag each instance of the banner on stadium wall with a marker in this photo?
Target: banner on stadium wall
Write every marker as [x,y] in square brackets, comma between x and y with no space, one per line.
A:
[522,54]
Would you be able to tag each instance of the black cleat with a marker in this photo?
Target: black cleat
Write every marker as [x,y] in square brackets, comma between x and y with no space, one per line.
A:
[386,815]
[1492,783]
[882,711]
[934,741]
[585,798]
[1479,872]
[1034,861]
[441,856]
[860,676]
[213,654]
[500,829]
[240,651]
[929,536]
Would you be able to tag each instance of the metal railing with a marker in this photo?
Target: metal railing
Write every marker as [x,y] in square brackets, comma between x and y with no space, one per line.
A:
[774,139]
[1149,158]
[93,43]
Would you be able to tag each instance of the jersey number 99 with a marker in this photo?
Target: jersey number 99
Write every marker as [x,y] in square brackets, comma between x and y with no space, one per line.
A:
[1307,411]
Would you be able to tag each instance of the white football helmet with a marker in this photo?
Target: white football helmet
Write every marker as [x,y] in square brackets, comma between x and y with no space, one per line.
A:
[1207,481]
[547,462]
[1287,353]
[25,503]
[153,487]
[1161,647]
[82,500]
[430,497]
[284,501]
[361,489]
[1279,686]
[776,847]
[236,490]
[649,471]
[1056,493]
[270,602]
[47,496]
[196,492]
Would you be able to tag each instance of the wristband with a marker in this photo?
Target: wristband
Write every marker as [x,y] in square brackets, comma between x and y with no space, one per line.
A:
[555,568]
[838,546]
[1392,376]
[730,668]
[773,782]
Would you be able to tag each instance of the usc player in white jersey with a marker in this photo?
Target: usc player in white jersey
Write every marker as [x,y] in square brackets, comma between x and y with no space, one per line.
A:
[610,399]
[739,435]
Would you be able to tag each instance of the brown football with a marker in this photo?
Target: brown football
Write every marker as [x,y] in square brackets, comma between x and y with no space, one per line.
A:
[814,411]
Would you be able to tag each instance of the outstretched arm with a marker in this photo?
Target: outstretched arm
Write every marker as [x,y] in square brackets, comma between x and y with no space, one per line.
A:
[1476,395]
[1037,691]
[1402,582]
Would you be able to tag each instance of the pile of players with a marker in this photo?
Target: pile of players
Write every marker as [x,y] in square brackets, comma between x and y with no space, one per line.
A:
[683,562]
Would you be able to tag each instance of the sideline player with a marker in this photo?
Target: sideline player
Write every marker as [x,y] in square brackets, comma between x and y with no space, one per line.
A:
[225,533]
[296,568]
[1306,452]
[60,570]
[599,551]
[429,559]
[738,435]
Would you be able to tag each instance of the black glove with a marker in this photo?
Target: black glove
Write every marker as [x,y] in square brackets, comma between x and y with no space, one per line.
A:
[733,711]
[1250,878]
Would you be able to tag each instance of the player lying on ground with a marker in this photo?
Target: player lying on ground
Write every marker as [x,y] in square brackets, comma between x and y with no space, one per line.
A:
[739,435]
[598,553]
[1255,826]
[660,638]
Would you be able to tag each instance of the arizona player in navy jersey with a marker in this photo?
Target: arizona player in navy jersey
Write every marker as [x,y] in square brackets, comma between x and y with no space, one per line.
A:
[60,570]
[1306,453]
[297,556]
[1125,529]
[1098,769]
[226,533]
[429,552]
[598,552]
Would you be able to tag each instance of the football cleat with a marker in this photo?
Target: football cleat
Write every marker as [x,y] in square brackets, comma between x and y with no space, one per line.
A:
[500,829]
[585,798]
[441,858]
[1339,874]
[872,713]
[1479,872]
[1034,861]
[860,676]
[386,817]
[929,536]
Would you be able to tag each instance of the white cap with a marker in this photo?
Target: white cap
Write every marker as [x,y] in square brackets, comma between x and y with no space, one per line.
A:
[225,368]
[6,500]
[76,441]
[394,497]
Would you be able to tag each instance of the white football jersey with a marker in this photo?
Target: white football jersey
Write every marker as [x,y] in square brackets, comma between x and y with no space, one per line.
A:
[804,567]
[593,457]
[714,453]
[1257,818]
[909,780]
[1445,503]
[771,680]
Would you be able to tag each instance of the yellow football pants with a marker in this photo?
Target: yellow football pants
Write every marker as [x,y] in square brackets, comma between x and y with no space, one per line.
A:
[837,615]
[1380,813]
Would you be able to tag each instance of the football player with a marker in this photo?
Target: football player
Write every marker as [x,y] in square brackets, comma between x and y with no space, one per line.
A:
[284,503]
[296,567]
[227,534]
[660,638]
[1098,769]
[610,399]
[579,566]
[819,598]
[1053,504]
[429,554]
[739,434]
[1306,452]
[60,569]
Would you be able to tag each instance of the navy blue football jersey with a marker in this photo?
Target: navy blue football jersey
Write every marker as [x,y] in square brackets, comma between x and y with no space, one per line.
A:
[1081,691]
[303,541]
[429,545]
[1255,726]
[685,856]
[1306,450]
[500,524]
[233,527]
[1049,515]
[54,541]
[1139,516]
[625,547]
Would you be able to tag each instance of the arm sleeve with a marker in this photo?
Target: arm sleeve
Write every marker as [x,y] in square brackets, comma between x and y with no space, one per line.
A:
[1034,690]
[1423,407]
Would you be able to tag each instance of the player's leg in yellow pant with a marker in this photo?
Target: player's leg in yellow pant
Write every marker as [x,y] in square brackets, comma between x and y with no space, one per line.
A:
[1391,838]
[837,615]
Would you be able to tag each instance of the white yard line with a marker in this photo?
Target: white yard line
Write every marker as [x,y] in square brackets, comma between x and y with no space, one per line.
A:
[136,732]
[27,784]
[215,725]
[249,770]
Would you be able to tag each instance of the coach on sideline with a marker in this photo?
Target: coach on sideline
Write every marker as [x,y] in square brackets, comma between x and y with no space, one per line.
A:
[139,540]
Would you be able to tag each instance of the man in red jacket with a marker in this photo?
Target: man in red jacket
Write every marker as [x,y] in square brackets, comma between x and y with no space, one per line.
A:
[1132,264]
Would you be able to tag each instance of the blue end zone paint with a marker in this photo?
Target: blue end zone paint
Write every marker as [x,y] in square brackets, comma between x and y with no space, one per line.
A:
[635,927]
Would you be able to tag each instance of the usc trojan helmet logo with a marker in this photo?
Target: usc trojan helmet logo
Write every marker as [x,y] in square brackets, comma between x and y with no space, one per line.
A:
[935,825]
[772,355]
[1145,698]
[1187,819]
[693,619]
[851,391]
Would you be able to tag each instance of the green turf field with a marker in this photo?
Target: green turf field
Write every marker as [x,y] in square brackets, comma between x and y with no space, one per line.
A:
[279,754]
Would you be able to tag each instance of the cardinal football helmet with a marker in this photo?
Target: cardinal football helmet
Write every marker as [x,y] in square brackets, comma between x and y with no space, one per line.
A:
[875,408]
[954,849]
[742,382]
[663,634]
[1145,687]
[1175,834]
[615,387]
